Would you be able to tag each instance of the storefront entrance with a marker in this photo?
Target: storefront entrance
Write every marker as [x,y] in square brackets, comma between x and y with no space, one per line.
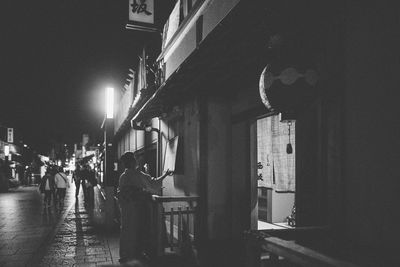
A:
[275,154]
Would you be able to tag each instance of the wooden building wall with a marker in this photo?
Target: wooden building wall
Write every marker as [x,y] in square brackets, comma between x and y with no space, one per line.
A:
[372,125]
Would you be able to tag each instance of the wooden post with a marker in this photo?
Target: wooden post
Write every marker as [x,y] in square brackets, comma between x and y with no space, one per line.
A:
[180,227]
[158,226]
[171,229]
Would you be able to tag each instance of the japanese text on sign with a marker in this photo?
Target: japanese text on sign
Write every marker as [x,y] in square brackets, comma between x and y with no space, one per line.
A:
[141,11]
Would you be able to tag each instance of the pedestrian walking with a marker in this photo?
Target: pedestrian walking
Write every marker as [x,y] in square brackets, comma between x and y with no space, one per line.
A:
[90,184]
[47,187]
[135,189]
[85,176]
[61,181]
[76,178]
[27,176]
[89,178]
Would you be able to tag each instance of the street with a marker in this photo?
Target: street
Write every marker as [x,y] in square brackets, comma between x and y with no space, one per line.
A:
[31,235]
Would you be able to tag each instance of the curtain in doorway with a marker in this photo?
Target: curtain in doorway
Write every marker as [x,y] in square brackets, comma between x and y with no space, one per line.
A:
[264,153]
[276,168]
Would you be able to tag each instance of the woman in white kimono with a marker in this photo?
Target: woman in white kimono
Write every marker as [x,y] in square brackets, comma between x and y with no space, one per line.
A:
[135,187]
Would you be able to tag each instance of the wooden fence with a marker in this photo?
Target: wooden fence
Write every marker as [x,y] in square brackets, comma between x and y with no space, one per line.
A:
[173,228]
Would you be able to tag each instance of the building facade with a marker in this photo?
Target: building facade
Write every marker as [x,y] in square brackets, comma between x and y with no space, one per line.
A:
[310,147]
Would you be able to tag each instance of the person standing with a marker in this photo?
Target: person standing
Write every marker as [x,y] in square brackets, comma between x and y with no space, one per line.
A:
[89,178]
[134,190]
[84,176]
[61,182]
[91,183]
[27,176]
[47,187]
[76,178]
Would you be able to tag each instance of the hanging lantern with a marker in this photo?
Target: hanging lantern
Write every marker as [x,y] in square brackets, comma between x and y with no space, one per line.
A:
[288,89]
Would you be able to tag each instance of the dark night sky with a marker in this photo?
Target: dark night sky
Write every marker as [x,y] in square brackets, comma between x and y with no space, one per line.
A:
[57,56]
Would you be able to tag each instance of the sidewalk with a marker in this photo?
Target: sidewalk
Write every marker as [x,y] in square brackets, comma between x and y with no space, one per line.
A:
[78,240]
[73,235]
[24,225]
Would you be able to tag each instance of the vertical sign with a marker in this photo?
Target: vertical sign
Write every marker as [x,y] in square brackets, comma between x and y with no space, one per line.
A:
[141,15]
[141,11]
[10,135]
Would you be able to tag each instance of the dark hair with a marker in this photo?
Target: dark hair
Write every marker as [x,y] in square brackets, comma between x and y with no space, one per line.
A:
[128,159]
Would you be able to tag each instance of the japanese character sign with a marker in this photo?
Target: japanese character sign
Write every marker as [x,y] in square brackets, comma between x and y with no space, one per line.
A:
[141,11]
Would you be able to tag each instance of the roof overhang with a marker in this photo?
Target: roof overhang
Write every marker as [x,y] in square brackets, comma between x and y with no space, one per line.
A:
[234,54]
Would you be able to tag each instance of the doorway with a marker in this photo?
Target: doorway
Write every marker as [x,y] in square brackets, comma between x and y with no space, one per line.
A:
[275,153]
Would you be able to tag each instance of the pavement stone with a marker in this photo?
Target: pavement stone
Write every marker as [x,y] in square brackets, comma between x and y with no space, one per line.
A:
[24,225]
[79,241]
[31,235]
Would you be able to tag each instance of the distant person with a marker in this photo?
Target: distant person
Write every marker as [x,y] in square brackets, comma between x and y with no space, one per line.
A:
[77,179]
[135,188]
[85,176]
[61,181]
[27,176]
[90,182]
[47,187]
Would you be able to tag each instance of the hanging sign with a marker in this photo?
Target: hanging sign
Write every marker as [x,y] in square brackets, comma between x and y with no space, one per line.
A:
[141,15]
[285,88]
[170,154]
[10,135]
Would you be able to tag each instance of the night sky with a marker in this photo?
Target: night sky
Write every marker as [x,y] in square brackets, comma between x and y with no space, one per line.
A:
[57,56]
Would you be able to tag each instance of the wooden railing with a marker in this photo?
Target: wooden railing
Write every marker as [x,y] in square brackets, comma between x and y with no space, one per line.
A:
[264,248]
[173,228]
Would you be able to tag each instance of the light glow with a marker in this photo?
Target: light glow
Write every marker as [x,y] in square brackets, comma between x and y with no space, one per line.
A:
[109,102]
[6,151]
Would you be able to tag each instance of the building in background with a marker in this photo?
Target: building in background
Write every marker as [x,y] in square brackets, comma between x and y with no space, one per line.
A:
[15,156]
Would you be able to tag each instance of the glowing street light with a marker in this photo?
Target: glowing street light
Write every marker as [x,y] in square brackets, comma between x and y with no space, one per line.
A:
[6,150]
[109,102]
[108,162]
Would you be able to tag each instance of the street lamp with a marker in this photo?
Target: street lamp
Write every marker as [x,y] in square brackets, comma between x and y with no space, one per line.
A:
[7,153]
[6,150]
[108,164]
[109,102]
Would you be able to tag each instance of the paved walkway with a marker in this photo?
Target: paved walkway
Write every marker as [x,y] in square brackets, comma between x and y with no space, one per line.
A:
[31,235]
[24,225]
[78,242]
